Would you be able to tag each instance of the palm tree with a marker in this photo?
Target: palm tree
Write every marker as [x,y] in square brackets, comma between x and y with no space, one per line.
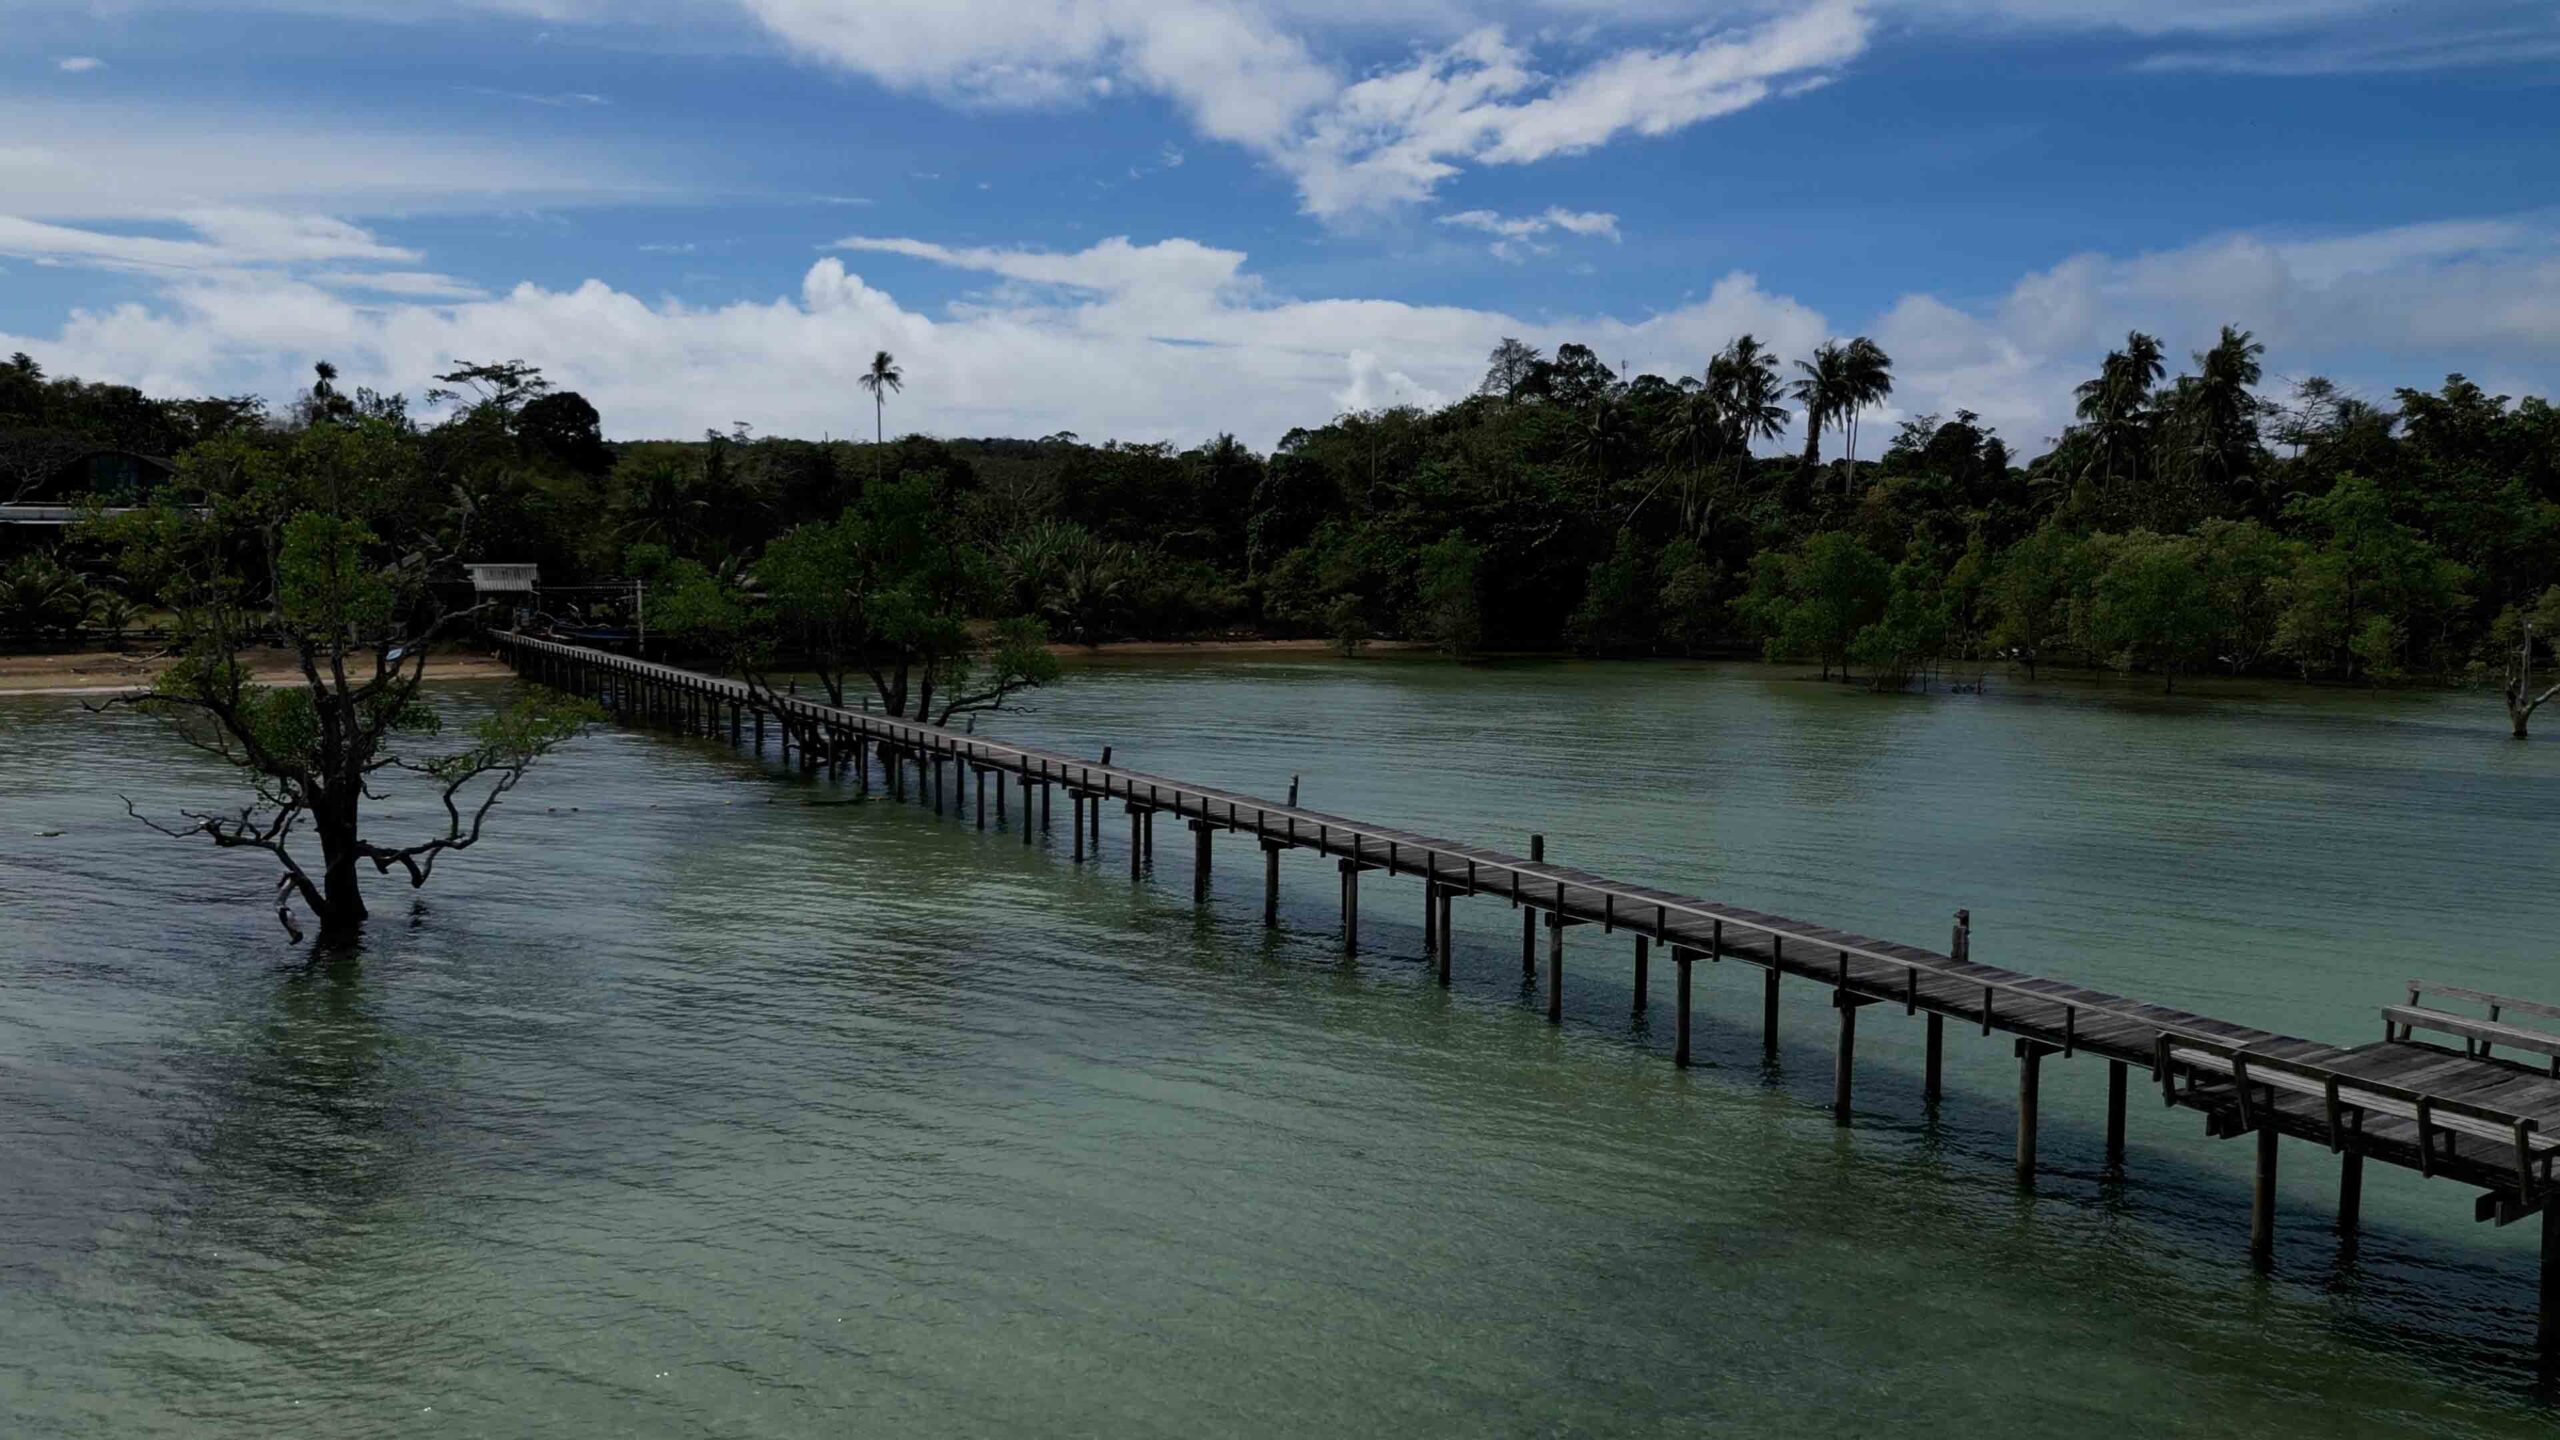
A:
[1695,434]
[883,376]
[1744,380]
[1822,385]
[2227,413]
[2116,405]
[1868,380]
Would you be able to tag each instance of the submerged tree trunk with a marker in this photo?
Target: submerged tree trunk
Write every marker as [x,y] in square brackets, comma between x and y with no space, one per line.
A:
[340,910]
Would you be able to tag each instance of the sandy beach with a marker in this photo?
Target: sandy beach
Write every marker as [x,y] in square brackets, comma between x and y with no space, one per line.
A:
[107,672]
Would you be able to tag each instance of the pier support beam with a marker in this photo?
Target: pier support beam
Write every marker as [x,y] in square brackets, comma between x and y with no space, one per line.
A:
[2115,1117]
[1769,1011]
[2031,1055]
[1644,970]
[2549,1336]
[2351,1199]
[1935,1054]
[982,795]
[1200,832]
[1845,1065]
[1528,942]
[1350,907]
[1682,957]
[1271,883]
[1076,800]
[1445,942]
[1137,842]
[1430,915]
[1555,968]
[2262,1203]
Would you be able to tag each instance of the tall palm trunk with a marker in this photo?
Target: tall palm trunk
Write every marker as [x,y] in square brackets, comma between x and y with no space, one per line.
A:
[1812,439]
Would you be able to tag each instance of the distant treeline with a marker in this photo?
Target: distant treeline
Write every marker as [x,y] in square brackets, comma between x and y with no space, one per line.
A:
[2183,524]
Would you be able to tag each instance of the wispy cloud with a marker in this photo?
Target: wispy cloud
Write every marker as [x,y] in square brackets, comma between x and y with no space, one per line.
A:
[557,100]
[1385,139]
[1515,236]
[79,64]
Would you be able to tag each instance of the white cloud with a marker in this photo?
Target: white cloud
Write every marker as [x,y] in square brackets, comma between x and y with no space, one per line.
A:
[1516,234]
[1173,339]
[226,238]
[79,64]
[1385,139]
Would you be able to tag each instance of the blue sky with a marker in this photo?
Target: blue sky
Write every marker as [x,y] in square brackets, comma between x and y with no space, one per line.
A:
[1165,218]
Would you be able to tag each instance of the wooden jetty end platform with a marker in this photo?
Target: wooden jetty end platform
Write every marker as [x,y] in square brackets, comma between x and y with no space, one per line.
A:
[2458,1104]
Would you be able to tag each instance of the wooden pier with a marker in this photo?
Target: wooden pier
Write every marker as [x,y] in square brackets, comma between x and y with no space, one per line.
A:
[2456,1104]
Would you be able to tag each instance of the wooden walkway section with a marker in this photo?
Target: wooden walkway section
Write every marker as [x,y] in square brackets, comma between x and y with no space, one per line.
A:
[2451,1106]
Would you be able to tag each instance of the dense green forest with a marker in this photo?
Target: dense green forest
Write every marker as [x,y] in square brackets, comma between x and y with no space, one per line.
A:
[2185,523]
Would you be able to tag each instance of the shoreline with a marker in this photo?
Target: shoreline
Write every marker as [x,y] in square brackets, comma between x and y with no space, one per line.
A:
[1239,646]
[105,672]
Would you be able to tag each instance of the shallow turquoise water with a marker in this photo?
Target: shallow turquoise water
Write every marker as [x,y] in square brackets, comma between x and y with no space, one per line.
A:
[700,1103]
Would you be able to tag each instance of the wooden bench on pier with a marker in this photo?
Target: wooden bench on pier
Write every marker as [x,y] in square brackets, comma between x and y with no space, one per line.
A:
[2477,1035]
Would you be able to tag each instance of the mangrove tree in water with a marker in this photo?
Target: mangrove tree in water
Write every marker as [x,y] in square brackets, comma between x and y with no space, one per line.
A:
[318,550]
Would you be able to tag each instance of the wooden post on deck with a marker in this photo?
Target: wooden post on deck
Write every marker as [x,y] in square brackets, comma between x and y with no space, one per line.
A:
[1271,884]
[2262,1202]
[2115,1117]
[1683,957]
[1644,970]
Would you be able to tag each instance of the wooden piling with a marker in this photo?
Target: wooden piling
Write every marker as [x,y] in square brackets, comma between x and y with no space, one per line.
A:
[2549,1329]
[1446,942]
[2030,1063]
[1845,1064]
[981,774]
[1769,1010]
[2115,1117]
[1271,884]
[1682,957]
[1137,841]
[1430,914]
[1934,1055]
[2262,1202]
[1644,967]
[2350,1195]
[1077,801]
[1350,907]
[1200,830]
[1528,942]
[1555,969]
